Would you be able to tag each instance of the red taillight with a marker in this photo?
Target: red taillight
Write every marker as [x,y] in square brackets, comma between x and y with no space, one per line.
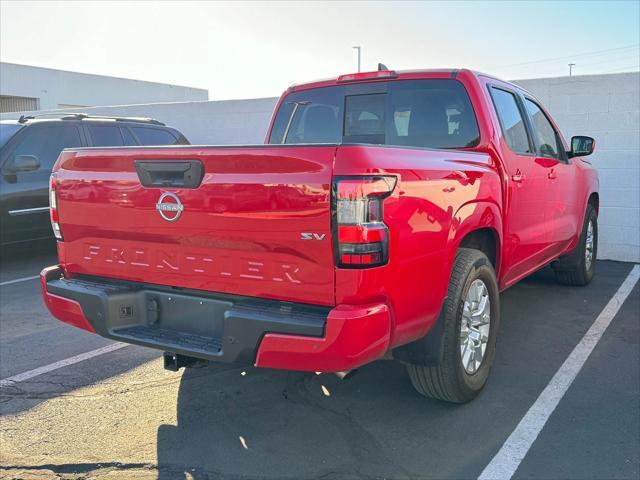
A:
[354,77]
[362,238]
[53,208]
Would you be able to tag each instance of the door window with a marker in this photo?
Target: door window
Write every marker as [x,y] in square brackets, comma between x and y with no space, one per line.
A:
[8,130]
[511,121]
[105,136]
[545,136]
[46,143]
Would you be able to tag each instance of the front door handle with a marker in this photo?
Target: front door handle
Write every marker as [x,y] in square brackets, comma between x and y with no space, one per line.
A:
[517,177]
[552,175]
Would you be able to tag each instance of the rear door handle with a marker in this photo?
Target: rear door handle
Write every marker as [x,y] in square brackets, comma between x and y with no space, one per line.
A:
[552,175]
[517,177]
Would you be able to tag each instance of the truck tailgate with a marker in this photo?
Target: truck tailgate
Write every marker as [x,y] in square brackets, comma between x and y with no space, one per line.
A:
[258,224]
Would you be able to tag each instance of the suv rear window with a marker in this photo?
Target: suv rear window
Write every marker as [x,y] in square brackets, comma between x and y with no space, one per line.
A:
[414,113]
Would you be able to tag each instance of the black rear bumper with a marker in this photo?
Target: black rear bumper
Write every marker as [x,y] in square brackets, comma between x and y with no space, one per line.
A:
[205,325]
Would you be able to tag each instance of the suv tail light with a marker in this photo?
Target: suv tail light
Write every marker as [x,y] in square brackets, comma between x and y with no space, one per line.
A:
[53,208]
[362,238]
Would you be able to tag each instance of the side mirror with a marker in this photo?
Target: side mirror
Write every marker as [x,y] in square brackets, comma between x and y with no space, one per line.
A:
[24,163]
[582,146]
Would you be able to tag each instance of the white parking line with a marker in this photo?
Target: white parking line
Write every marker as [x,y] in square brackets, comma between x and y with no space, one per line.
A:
[507,460]
[21,377]
[17,280]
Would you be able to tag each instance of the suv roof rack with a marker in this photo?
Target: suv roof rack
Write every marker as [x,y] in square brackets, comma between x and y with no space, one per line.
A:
[83,116]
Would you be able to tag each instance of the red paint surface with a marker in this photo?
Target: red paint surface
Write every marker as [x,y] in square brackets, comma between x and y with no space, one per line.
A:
[355,335]
[68,311]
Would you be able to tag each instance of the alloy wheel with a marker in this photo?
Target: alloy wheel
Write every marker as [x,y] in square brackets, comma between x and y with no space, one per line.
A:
[475,325]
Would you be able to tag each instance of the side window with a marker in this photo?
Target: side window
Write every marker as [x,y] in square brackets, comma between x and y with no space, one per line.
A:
[46,143]
[511,121]
[154,136]
[546,139]
[129,139]
[105,135]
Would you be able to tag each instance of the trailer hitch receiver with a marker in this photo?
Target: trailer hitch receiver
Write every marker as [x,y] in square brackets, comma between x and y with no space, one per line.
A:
[175,361]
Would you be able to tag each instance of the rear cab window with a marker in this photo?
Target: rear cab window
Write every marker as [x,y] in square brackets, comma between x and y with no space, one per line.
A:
[432,113]
[311,116]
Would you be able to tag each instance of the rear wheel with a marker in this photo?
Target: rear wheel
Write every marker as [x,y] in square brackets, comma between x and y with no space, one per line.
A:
[578,267]
[471,318]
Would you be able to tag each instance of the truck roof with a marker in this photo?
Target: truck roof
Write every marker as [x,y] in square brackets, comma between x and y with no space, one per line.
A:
[397,75]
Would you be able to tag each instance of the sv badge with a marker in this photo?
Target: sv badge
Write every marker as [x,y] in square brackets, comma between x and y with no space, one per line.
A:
[312,236]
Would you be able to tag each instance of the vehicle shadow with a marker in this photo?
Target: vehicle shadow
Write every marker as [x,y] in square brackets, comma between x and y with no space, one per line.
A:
[270,424]
[294,425]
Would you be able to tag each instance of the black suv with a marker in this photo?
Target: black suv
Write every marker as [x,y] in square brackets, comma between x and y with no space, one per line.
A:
[30,146]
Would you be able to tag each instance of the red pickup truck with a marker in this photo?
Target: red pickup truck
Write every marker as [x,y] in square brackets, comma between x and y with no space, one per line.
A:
[380,220]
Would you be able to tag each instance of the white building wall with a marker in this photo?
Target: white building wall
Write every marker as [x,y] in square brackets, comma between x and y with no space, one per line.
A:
[56,88]
[606,107]
[603,106]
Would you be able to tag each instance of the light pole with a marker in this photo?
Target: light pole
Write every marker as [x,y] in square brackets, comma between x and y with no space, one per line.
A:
[571,65]
[359,50]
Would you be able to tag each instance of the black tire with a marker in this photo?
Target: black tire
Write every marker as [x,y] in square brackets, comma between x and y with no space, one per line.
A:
[449,381]
[573,269]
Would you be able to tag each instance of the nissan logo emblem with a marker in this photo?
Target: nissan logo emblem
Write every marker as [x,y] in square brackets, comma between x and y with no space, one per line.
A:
[169,207]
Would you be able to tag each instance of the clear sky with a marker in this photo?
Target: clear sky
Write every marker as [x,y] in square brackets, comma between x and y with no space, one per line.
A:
[244,50]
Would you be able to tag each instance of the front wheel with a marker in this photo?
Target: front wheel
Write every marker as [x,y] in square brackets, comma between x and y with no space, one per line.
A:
[471,318]
[578,267]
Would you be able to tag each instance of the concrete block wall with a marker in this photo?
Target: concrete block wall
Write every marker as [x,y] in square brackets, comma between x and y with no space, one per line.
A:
[606,107]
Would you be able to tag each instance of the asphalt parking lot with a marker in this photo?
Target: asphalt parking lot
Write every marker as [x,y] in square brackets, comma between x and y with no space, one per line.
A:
[120,415]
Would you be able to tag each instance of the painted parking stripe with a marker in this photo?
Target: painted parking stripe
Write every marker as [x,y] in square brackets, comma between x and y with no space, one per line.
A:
[508,458]
[21,377]
[17,280]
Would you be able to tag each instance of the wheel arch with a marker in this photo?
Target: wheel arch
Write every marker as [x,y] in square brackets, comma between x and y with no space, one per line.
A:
[594,200]
[478,225]
[483,239]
